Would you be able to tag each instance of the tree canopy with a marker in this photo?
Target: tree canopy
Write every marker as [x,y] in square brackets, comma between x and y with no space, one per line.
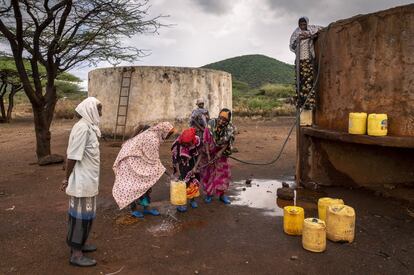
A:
[62,34]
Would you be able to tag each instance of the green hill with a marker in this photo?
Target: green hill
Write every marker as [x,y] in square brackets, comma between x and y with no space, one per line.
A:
[256,70]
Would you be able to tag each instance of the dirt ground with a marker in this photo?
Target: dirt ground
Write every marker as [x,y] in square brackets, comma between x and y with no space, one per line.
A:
[213,239]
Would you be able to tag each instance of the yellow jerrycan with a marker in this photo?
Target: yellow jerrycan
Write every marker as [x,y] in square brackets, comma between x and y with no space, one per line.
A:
[377,124]
[357,123]
[323,204]
[314,235]
[178,193]
[293,217]
[340,223]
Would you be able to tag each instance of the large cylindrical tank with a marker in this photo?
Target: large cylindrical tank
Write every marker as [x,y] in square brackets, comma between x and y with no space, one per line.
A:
[158,93]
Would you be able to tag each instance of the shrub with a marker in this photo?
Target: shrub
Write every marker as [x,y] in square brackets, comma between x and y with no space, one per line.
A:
[65,109]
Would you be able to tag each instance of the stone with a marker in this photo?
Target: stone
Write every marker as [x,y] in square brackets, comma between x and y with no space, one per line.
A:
[51,159]
[285,193]
[310,185]
[389,186]
[410,213]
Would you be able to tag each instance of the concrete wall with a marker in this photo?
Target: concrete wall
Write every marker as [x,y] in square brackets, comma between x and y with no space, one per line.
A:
[367,65]
[159,93]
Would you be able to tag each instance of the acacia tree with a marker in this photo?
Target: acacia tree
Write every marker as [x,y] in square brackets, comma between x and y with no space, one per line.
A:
[63,34]
[9,82]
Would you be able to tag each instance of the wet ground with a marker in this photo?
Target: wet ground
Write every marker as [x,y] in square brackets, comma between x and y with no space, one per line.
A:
[243,238]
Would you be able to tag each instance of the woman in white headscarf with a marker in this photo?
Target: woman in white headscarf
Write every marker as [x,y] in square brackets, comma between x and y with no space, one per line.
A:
[138,167]
[82,179]
[301,43]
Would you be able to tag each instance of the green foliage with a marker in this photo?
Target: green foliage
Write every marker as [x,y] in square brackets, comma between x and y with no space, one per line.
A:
[256,70]
[8,68]
[65,84]
[66,87]
[69,90]
[8,71]
[268,100]
[278,90]
[68,77]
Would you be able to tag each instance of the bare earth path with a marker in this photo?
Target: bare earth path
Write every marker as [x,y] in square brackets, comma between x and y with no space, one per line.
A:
[213,239]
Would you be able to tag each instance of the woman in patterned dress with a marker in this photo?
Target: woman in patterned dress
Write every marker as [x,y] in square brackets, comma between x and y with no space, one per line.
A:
[138,167]
[186,155]
[218,140]
[301,42]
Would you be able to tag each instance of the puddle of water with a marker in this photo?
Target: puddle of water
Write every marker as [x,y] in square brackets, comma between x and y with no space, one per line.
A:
[171,224]
[261,194]
[166,228]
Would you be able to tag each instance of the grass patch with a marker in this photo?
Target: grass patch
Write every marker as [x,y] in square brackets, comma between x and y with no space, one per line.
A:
[268,100]
[65,108]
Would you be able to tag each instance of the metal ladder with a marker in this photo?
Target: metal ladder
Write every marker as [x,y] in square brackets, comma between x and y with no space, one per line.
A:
[123,103]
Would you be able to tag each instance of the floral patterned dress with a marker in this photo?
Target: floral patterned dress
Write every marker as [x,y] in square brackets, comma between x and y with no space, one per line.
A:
[138,166]
[185,158]
[216,177]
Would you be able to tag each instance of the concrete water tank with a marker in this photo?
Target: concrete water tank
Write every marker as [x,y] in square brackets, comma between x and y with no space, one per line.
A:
[158,93]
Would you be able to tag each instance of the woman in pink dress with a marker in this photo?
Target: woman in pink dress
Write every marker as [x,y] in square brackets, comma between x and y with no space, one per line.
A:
[138,167]
[218,140]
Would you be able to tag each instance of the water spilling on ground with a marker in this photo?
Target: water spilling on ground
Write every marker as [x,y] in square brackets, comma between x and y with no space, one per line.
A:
[261,194]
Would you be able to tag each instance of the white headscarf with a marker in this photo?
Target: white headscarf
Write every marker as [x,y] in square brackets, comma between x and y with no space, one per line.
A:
[88,110]
[200,100]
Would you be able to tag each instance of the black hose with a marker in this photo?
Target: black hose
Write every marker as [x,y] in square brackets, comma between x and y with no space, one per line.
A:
[297,116]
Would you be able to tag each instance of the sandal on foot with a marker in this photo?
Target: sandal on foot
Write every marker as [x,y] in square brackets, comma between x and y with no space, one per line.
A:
[182,208]
[82,261]
[88,248]
[153,212]
[144,202]
[208,199]
[193,204]
[137,214]
[225,199]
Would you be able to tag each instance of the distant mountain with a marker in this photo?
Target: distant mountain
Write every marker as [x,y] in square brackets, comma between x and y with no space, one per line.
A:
[256,69]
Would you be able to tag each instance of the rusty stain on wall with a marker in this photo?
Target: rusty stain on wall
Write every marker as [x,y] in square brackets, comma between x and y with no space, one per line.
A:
[367,65]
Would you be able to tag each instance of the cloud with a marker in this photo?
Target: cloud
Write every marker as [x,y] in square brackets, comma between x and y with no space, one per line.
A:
[204,31]
[327,11]
[218,7]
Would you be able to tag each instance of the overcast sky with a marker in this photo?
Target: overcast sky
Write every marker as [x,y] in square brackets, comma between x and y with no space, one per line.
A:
[206,31]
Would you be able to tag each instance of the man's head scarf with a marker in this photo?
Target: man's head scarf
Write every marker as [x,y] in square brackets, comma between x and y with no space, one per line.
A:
[88,110]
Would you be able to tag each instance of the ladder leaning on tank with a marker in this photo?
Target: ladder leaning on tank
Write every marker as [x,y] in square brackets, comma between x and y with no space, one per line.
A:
[123,103]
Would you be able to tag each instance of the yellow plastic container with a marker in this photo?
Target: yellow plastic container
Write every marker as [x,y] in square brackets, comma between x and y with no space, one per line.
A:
[178,193]
[314,235]
[357,123]
[340,223]
[293,217]
[323,204]
[306,118]
[377,124]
